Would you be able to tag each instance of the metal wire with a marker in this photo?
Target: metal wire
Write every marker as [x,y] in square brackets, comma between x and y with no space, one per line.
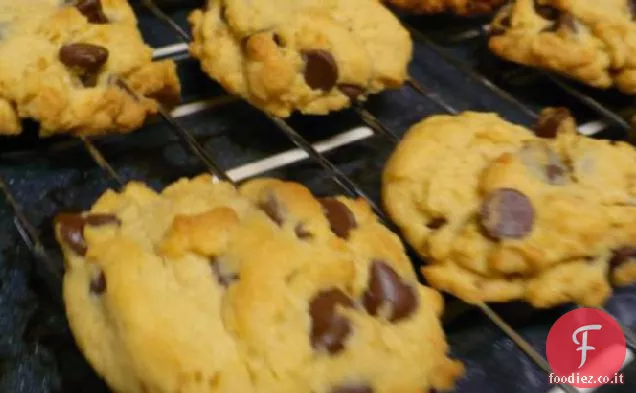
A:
[521,343]
[98,157]
[375,124]
[185,136]
[415,85]
[30,235]
[159,14]
[630,336]
[588,101]
[422,38]
[335,173]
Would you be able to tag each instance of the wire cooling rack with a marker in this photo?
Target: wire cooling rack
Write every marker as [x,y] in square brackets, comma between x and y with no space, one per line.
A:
[497,85]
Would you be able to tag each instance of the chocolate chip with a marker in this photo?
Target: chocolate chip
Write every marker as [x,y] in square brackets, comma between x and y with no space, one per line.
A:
[544,162]
[387,292]
[547,126]
[71,228]
[272,207]
[436,223]
[223,277]
[89,80]
[351,91]
[569,21]
[500,26]
[99,219]
[278,40]
[98,284]
[321,70]
[621,255]
[556,174]
[631,5]
[340,218]
[87,58]
[222,15]
[329,329]
[302,232]
[93,11]
[502,21]
[507,213]
[352,388]
[547,12]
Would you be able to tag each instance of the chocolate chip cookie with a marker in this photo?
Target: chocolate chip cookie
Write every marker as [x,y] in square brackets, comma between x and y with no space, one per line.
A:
[460,7]
[311,56]
[502,213]
[61,61]
[208,288]
[590,41]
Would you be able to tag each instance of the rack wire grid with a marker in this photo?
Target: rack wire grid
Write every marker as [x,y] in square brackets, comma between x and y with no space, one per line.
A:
[491,83]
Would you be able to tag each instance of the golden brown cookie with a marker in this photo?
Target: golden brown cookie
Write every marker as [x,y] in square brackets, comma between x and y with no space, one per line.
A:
[60,61]
[310,56]
[460,7]
[502,214]
[208,288]
[593,42]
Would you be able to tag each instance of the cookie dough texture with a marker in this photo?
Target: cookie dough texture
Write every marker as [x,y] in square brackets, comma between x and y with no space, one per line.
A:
[58,64]
[593,42]
[265,288]
[312,56]
[460,7]
[501,214]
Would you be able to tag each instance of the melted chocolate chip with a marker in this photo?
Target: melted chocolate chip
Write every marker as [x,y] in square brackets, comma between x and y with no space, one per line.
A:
[352,388]
[89,80]
[569,21]
[556,174]
[500,26]
[272,207]
[329,329]
[321,70]
[71,228]
[99,219]
[547,126]
[351,91]
[278,40]
[631,5]
[547,12]
[87,58]
[302,232]
[340,218]
[98,284]
[621,256]
[93,11]
[223,277]
[387,292]
[436,223]
[544,163]
[507,213]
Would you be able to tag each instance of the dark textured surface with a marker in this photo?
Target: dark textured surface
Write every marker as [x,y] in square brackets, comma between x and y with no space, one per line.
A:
[37,352]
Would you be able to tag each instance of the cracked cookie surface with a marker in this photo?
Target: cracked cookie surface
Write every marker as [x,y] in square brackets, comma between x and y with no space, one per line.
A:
[503,214]
[309,56]
[593,42]
[265,288]
[59,62]
[460,7]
